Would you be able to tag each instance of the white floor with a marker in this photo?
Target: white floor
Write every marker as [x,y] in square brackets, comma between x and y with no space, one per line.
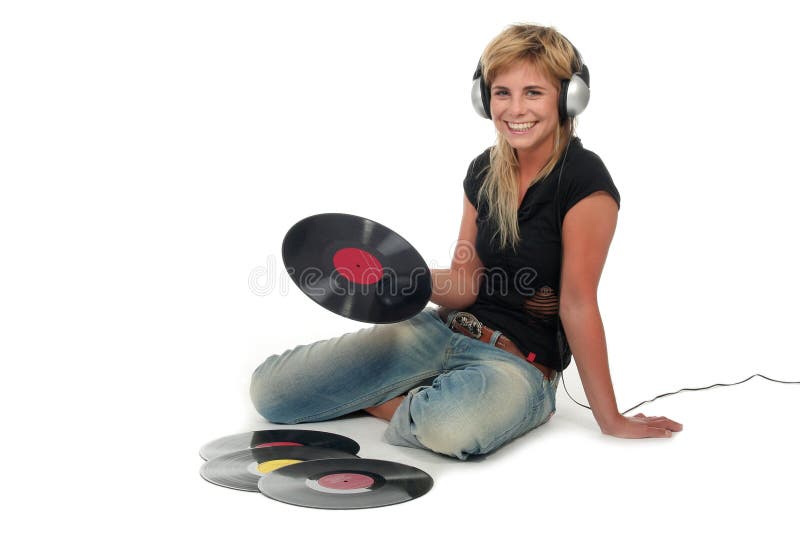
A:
[132,465]
[733,466]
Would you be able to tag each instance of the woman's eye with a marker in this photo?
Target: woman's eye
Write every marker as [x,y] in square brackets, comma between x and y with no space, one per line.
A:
[500,92]
[534,93]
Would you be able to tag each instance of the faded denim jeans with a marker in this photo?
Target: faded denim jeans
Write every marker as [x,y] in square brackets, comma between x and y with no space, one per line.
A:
[464,397]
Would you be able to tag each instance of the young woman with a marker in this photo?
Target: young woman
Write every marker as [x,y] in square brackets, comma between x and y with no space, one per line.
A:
[539,215]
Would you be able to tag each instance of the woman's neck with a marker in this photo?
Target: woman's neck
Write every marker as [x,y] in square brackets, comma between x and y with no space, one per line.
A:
[532,161]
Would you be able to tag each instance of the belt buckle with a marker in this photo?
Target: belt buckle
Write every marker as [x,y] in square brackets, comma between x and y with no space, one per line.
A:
[470,322]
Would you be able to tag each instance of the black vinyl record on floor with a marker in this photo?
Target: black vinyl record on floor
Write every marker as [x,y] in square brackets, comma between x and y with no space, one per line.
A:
[356,268]
[277,438]
[242,470]
[344,484]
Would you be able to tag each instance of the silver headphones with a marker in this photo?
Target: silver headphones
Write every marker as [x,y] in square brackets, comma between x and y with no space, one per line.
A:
[572,100]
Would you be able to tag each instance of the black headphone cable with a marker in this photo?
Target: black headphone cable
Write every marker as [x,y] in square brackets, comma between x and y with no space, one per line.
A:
[558,320]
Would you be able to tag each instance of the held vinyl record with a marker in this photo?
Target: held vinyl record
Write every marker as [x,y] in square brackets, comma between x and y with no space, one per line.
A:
[241,470]
[277,438]
[342,484]
[356,268]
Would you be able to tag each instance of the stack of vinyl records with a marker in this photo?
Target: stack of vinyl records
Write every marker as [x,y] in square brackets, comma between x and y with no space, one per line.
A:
[309,468]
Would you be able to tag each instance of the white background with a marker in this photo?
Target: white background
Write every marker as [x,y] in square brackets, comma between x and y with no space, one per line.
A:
[154,154]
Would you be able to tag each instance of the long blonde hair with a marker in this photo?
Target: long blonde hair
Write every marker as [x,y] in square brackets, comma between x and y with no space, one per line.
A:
[557,58]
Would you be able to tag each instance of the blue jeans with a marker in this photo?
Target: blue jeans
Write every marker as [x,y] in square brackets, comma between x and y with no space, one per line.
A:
[463,396]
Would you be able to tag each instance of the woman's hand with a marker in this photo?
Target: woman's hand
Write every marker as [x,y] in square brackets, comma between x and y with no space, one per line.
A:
[641,426]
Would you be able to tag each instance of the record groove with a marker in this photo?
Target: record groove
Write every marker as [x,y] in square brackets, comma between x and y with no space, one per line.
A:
[277,438]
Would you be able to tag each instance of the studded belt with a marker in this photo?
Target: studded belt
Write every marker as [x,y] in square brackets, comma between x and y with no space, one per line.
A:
[469,325]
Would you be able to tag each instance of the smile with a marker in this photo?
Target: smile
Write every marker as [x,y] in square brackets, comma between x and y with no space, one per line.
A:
[520,126]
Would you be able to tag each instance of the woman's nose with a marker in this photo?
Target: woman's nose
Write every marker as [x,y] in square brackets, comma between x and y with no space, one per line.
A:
[517,105]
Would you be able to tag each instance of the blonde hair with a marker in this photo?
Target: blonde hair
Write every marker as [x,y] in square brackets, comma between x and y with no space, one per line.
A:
[558,59]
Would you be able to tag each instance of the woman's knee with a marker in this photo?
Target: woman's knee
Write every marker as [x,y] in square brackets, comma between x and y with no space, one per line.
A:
[465,437]
[457,440]
[272,395]
[453,430]
[463,426]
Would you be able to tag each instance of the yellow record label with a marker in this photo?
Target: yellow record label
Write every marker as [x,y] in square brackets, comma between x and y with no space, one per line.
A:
[272,465]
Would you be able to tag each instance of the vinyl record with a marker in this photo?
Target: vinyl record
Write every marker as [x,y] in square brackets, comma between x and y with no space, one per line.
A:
[345,483]
[356,268]
[241,470]
[277,438]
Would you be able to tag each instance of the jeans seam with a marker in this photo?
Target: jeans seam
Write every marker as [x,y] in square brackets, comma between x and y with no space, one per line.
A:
[449,350]
[409,381]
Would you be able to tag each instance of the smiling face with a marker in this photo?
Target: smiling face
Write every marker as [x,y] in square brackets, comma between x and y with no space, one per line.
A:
[524,105]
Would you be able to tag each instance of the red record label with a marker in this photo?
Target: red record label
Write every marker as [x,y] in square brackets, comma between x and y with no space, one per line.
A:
[279,444]
[357,265]
[356,268]
[346,481]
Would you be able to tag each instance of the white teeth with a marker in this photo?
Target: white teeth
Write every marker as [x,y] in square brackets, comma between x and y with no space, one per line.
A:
[520,125]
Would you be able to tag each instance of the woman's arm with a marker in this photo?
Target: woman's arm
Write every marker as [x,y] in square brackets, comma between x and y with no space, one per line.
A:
[457,287]
[587,233]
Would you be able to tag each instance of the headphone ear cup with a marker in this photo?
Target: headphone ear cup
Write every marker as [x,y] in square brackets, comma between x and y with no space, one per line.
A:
[480,94]
[574,95]
[562,100]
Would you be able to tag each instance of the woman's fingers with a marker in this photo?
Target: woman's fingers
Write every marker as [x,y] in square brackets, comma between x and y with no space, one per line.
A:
[658,432]
[664,422]
[661,422]
[641,426]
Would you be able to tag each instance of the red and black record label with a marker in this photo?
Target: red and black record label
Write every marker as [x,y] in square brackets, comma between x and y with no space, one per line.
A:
[345,483]
[277,438]
[356,268]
